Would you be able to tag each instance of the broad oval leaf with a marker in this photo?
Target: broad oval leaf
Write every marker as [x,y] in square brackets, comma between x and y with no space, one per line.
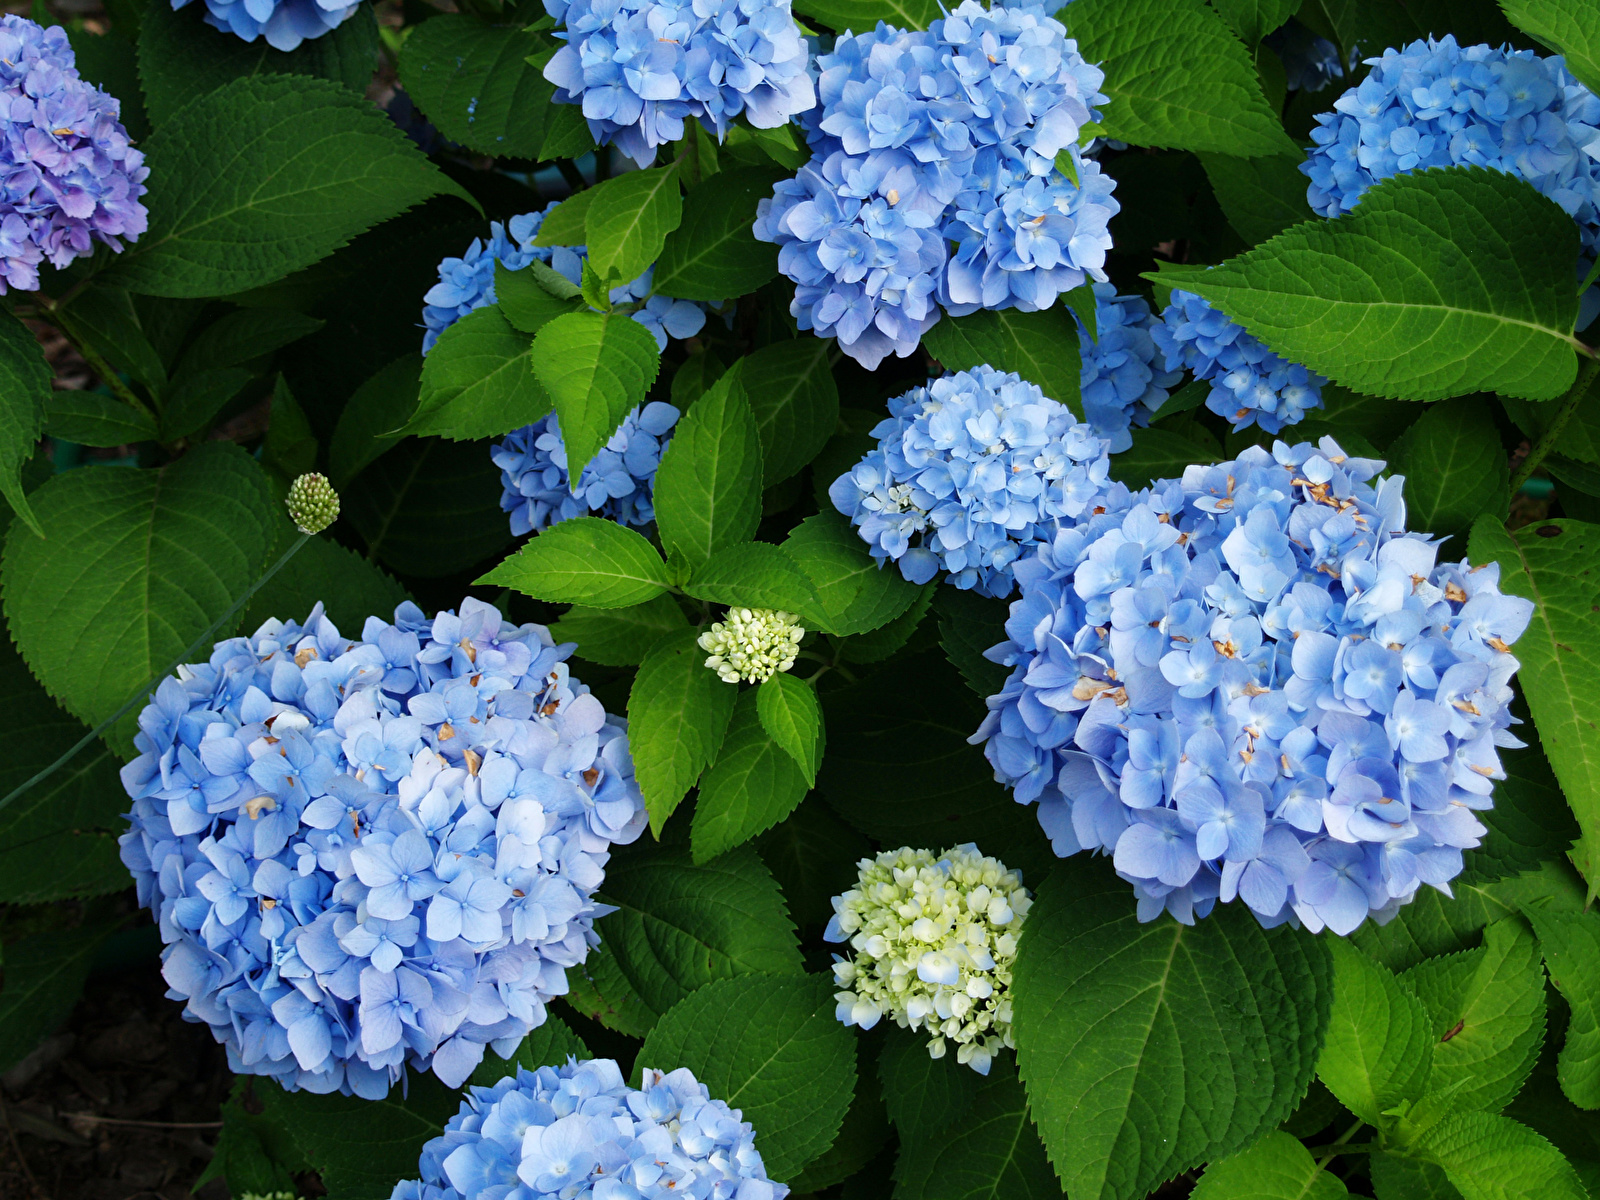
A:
[924,1095]
[587,560]
[758,575]
[992,1153]
[752,785]
[790,714]
[349,588]
[24,397]
[713,255]
[1455,468]
[678,711]
[597,367]
[1277,1167]
[1379,1048]
[548,1045]
[629,217]
[477,381]
[619,637]
[862,16]
[1490,1157]
[1570,943]
[473,80]
[790,387]
[1042,347]
[367,423]
[708,488]
[857,592]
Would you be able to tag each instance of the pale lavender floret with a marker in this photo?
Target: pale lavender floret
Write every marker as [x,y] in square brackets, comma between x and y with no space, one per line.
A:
[368,853]
[579,1129]
[1124,378]
[68,176]
[1254,683]
[283,23]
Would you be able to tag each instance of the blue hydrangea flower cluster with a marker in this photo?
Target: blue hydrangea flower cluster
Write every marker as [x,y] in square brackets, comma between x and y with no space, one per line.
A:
[969,473]
[932,179]
[1250,385]
[641,67]
[1253,682]
[367,853]
[284,23]
[68,177]
[1125,378]
[1310,61]
[579,1130]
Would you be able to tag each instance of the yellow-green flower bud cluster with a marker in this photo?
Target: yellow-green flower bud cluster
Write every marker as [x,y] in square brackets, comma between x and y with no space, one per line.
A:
[312,503]
[934,940]
[752,644]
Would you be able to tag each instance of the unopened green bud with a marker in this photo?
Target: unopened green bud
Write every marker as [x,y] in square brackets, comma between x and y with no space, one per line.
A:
[313,504]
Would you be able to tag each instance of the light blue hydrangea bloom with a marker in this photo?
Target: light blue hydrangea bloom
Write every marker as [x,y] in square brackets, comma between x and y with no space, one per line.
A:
[1123,380]
[641,67]
[1253,682]
[70,178]
[1310,62]
[579,1130]
[970,472]
[284,23]
[1250,385]
[932,179]
[363,854]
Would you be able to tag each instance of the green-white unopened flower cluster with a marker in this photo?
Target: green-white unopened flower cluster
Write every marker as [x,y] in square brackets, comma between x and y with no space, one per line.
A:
[313,504]
[752,643]
[268,1196]
[934,940]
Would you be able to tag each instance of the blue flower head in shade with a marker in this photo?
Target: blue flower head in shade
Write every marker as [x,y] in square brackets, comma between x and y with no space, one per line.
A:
[70,177]
[1124,379]
[580,1130]
[1250,385]
[933,181]
[1310,61]
[640,68]
[283,23]
[363,854]
[1252,683]
[969,473]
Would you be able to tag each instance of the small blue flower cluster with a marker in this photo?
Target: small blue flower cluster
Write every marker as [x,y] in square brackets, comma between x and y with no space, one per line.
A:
[1310,62]
[1250,385]
[641,67]
[970,472]
[372,852]
[1253,682]
[284,23]
[924,141]
[579,1130]
[68,177]
[1123,383]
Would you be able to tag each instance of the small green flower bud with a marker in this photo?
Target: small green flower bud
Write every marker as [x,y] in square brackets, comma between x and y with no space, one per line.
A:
[313,504]
[752,644]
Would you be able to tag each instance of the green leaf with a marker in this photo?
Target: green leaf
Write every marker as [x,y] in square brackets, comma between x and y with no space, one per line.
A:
[105,318]
[860,1141]
[628,221]
[378,407]
[349,587]
[1490,1157]
[993,1153]
[1151,1048]
[1397,1178]
[1554,565]
[24,398]
[969,624]
[290,448]
[678,712]
[477,381]
[708,487]
[1440,283]
[1379,1048]
[1530,820]
[308,165]
[1570,943]
[1572,30]
[790,714]
[90,419]
[1252,20]
[619,637]
[43,978]
[790,387]
[813,855]
[1277,1167]
[1454,465]
[473,80]
[856,591]
[550,1045]
[600,992]
[587,560]
[757,575]
[680,925]
[1177,78]
[770,1048]
[567,223]
[195,397]
[863,15]
[134,565]
[713,255]
[526,300]
[1160,454]
[597,367]
[925,1096]
[752,785]
[1261,196]
[1042,347]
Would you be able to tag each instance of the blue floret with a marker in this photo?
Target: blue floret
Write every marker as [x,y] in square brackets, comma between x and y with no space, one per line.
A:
[1124,378]
[283,23]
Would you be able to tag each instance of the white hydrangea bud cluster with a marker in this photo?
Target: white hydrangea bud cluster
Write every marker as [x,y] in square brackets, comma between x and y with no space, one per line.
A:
[934,940]
[752,643]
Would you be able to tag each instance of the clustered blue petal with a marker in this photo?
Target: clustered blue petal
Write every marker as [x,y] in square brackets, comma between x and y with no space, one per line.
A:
[579,1130]
[970,472]
[1253,682]
[70,178]
[284,23]
[1250,385]
[1310,61]
[641,67]
[618,483]
[367,853]
[933,181]
[1124,378]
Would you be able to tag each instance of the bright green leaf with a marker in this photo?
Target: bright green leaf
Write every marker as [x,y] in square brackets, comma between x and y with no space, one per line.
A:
[708,487]
[790,714]
[1042,347]
[366,426]
[1570,943]
[1252,20]
[1277,1167]
[587,560]
[857,592]
[1490,1157]
[790,387]
[678,712]
[629,218]
[24,399]
[597,367]
[752,785]
[525,300]
[1572,30]
[993,1153]
[1397,1178]
[862,16]
[757,575]
[477,381]
[566,223]
[600,991]
[713,255]
[619,637]
[1455,467]
[1379,1049]
[473,80]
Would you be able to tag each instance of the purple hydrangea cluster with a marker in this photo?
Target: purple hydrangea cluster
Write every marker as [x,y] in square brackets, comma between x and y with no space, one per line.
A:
[579,1130]
[933,179]
[1250,385]
[1253,682]
[970,473]
[284,23]
[641,67]
[1125,379]
[367,853]
[70,178]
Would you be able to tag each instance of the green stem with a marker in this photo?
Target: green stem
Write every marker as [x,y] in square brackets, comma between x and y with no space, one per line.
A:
[1594,273]
[109,376]
[144,691]
[1333,1148]
[1337,1146]
[1558,424]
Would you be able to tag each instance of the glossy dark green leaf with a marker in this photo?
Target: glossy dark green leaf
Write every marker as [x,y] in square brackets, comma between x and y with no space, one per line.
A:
[752,785]
[713,255]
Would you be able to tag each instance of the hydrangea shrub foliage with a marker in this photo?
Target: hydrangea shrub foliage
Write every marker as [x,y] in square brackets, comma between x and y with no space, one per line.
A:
[734,599]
